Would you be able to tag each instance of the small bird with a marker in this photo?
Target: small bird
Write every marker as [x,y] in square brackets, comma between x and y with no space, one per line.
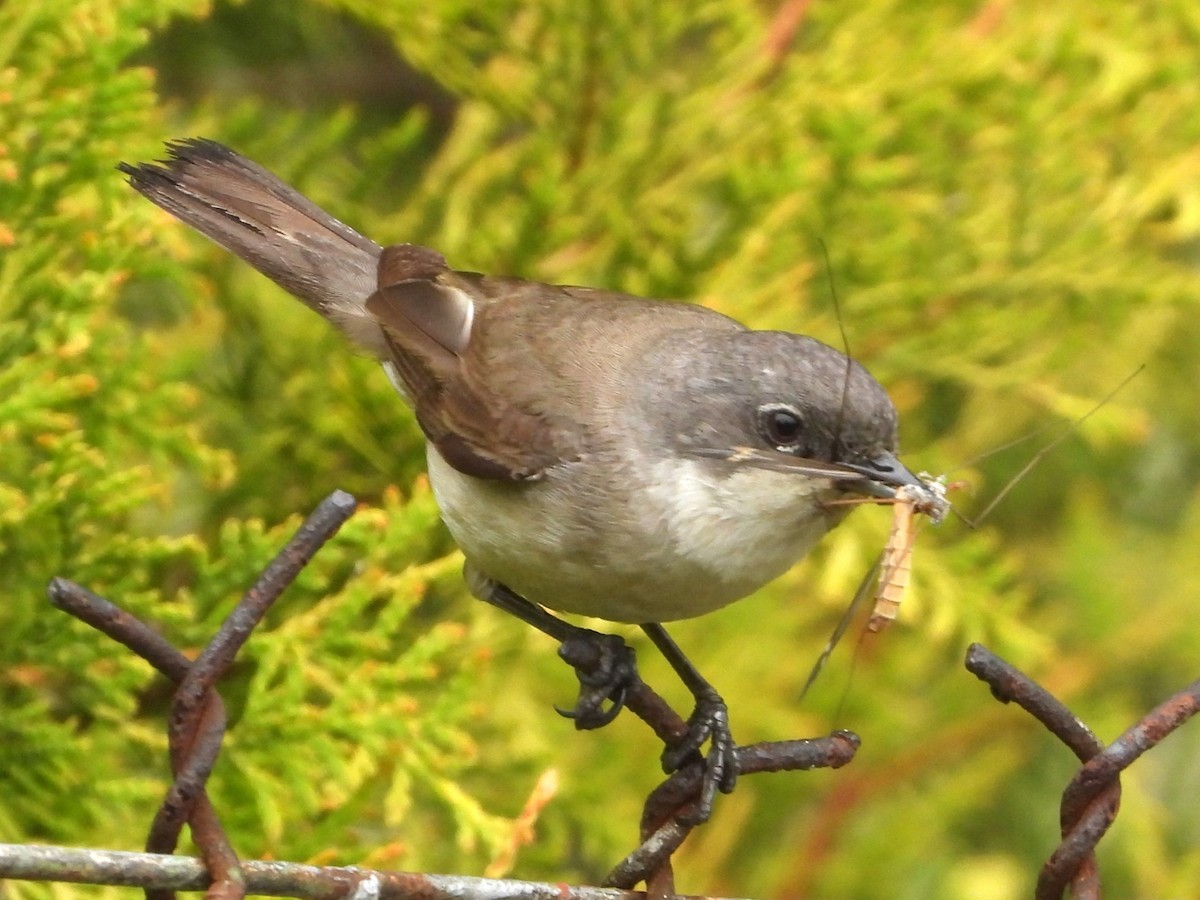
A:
[591,452]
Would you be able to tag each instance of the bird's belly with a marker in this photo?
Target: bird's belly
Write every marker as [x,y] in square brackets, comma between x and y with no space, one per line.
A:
[679,549]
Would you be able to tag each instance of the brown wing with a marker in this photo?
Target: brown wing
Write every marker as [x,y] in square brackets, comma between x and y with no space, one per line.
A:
[428,314]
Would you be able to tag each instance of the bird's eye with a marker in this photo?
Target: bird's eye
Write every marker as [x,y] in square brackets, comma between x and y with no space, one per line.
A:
[781,425]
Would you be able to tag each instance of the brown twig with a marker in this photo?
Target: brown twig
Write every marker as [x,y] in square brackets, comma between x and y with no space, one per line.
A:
[782,31]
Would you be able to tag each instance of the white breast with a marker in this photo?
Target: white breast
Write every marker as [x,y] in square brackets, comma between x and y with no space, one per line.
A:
[690,543]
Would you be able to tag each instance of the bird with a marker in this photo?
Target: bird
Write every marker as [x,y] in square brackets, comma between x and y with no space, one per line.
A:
[595,453]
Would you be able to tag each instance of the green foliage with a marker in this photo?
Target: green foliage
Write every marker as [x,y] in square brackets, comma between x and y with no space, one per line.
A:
[356,719]
[1010,201]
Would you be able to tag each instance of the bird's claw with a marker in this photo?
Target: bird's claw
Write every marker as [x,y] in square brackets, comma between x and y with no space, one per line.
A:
[709,722]
[605,666]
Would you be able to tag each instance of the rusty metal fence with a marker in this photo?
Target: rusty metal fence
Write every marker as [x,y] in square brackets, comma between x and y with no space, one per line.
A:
[196,727]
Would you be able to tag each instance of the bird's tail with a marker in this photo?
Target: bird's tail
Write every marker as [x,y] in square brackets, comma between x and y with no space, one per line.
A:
[247,210]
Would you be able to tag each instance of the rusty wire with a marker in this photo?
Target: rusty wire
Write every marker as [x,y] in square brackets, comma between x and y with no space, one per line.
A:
[196,724]
[666,810]
[1090,802]
[196,727]
[279,879]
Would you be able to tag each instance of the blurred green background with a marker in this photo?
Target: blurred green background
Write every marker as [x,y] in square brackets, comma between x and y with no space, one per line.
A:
[1010,196]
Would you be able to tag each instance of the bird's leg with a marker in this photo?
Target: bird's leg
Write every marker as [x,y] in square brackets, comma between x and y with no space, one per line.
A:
[606,668]
[709,721]
[603,663]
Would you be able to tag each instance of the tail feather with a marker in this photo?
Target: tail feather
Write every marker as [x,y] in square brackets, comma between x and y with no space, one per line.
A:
[252,213]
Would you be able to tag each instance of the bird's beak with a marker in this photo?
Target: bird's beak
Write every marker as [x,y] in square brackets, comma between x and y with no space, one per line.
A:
[881,477]
[878,477]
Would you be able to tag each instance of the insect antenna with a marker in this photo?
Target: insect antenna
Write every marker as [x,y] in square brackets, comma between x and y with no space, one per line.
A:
[1066,431]
[837,312]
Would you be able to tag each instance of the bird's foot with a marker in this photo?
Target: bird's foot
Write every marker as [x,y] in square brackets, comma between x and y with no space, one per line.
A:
[709,722]
[606,668]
